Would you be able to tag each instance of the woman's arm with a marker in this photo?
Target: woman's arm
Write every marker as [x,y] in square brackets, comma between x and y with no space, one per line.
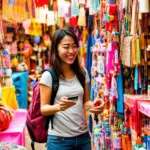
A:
[45,96]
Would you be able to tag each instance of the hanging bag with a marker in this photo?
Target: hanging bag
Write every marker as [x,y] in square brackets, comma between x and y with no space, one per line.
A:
[125,51]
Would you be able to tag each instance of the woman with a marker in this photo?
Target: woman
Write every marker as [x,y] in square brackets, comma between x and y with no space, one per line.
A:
[70,130]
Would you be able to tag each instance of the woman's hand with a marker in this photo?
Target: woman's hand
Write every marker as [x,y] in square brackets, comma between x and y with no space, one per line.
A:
[98,106]
[65,103]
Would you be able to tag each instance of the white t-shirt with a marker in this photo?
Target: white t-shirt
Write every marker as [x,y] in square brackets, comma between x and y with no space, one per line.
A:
[72,121]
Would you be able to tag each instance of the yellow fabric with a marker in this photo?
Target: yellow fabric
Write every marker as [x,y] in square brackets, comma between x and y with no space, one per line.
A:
[9,97]
[134,52]
[15,13]
[82,17]
[84,36]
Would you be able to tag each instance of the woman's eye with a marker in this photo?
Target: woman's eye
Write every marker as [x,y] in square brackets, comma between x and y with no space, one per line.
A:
[66,47]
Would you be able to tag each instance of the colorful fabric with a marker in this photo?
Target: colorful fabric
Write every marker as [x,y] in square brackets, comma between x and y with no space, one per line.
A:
[15,134]
[75,8]
[41,3]
[120,102]
[9,97]
[8,146]
[82,17]
[15,13]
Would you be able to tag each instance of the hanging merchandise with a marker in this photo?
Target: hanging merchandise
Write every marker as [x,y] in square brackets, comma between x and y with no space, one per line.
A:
[26,51]
[35,28]
[61,8]
[41,14]
[74,8]
[67,13]
[95,6]
[26,25]
[50,18]
[40,3]
[73,21]
[126,51]
[144,6]
[1,32]
[88,3]
[16,11]
[81,18]
[134,17]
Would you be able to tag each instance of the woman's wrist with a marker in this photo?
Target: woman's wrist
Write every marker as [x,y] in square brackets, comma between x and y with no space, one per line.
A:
[58,107]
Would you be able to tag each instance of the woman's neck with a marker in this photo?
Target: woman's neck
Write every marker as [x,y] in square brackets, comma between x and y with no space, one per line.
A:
[67,71]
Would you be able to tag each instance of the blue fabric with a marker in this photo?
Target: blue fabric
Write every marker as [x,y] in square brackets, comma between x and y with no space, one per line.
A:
[90,23]
[20,81]
[120,108]
[91,42]
[95,5]
[81,142]
[136,78]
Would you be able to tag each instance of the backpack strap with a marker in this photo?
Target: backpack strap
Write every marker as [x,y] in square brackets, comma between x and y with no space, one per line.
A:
[55,85]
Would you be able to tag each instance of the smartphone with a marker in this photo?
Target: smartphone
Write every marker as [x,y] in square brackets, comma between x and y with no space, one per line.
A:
[74,98]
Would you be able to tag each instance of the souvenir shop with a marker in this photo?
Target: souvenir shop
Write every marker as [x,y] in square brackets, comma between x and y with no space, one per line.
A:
[114,39]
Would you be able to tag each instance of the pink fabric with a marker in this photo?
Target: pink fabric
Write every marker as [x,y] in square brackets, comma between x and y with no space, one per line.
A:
[144,107]
[131,99]
[133,102]
[15,134]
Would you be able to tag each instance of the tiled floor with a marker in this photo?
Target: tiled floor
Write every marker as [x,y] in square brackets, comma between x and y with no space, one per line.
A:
[37,145]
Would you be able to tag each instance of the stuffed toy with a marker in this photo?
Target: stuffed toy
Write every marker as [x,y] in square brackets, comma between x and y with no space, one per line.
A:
[26,51]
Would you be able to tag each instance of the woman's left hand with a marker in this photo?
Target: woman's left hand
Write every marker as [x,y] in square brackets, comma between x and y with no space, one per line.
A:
[98,106]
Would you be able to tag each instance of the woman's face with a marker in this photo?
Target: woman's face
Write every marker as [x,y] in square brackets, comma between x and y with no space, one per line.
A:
[67,50]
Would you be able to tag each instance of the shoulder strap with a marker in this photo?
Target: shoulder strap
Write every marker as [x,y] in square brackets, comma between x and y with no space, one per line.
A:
[55,83]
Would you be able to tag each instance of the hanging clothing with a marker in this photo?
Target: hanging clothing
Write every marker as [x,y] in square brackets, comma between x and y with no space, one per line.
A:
[16,12]
[91,42]
[41,3]
[75,8]
[82,18]
[120,101]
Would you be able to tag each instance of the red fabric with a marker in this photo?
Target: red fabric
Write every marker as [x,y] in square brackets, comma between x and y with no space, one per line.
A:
[73,21]
[113,10]
[54,6]
[5,118]
[40,3]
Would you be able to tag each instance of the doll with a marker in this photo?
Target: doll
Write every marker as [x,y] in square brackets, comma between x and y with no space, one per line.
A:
[26,51]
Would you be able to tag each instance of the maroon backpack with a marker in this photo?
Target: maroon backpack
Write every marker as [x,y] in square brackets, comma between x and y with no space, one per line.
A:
[37,124]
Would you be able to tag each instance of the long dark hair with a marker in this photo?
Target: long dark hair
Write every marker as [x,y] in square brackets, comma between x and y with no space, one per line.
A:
[55,61]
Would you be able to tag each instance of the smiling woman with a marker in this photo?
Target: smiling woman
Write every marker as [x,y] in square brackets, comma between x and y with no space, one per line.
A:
[70,129]
[67,50]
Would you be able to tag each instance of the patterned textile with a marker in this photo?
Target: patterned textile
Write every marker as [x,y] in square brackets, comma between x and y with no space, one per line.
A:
[9,146]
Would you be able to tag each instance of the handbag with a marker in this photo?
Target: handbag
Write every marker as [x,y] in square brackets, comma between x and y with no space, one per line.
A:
[126,51]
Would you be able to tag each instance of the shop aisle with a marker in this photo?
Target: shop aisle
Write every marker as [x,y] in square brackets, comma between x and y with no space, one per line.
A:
[28,143]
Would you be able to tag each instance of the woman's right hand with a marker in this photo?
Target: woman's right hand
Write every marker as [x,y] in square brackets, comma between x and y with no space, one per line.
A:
[65,103]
